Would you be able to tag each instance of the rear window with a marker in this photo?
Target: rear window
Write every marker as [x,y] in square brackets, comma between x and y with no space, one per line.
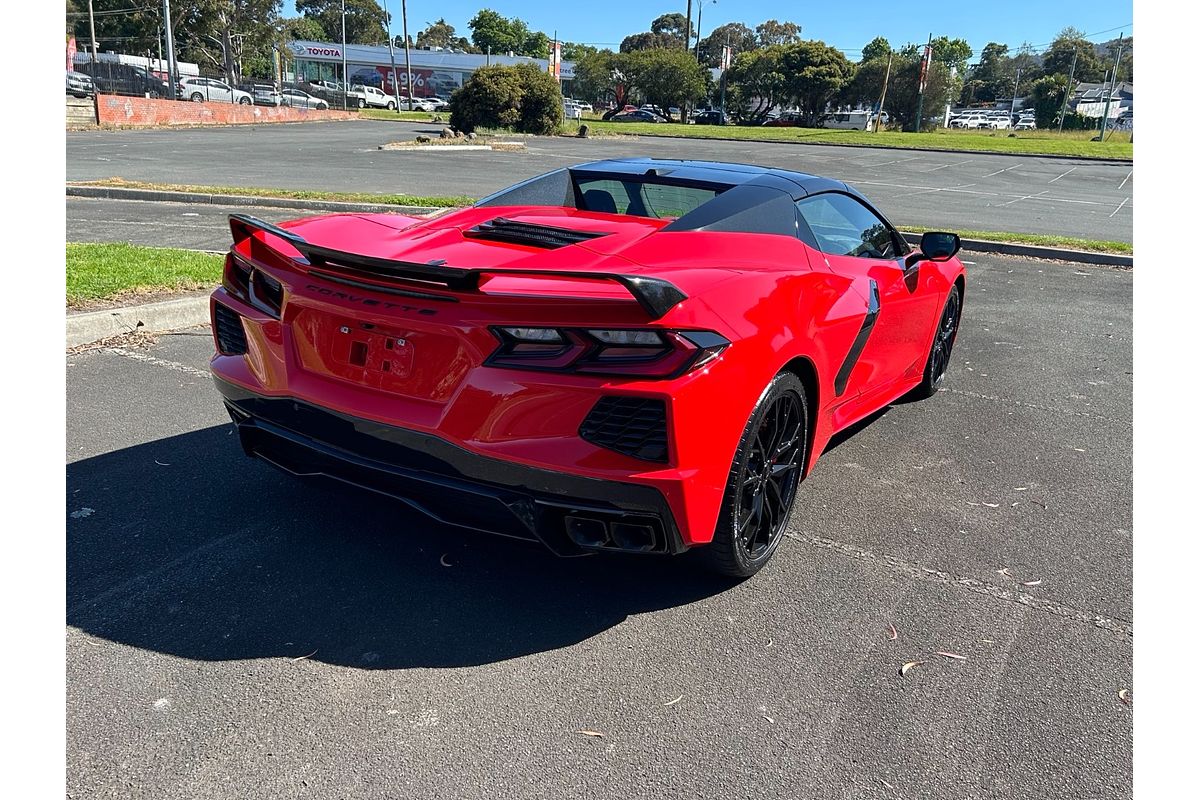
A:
[641,199]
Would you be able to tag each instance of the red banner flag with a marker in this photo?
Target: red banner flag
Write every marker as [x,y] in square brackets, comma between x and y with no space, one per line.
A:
[71,50]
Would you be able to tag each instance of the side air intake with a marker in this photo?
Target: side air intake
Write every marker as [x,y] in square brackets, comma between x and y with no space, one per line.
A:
[634,426]
[502,229]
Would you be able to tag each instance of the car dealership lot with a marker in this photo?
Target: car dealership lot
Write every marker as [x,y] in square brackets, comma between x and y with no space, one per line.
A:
[1020,194]
[234,631]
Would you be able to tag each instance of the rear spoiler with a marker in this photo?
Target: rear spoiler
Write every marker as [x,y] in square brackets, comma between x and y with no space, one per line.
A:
[655,295]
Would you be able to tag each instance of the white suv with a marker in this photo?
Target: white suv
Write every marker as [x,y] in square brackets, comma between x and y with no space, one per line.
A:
[199,90]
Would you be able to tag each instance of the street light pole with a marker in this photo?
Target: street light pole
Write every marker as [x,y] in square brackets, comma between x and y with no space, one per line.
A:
[387,22]
[170,37]
[408,53]
[92,25]
[345,78]
[1067,94]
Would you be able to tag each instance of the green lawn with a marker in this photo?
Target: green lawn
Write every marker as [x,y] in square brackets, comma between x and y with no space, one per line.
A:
[105,271]
[402,116]
[1068,143]
[294,194]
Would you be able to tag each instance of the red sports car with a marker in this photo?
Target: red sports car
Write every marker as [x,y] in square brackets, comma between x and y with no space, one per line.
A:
[630,355]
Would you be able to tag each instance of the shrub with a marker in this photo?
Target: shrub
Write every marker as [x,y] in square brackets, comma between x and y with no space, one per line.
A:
[523,98]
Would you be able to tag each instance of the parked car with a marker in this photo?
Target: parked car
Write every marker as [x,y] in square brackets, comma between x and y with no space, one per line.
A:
[1027,124]
[999,122]
[637,115]
[212,90]
[264,94]
[571,110]
[788,119]
[301,99]
[971,120]
[80,84]
[709,118]
[850,120]
[430,104]
[112,78]
[365,96]
[637,397]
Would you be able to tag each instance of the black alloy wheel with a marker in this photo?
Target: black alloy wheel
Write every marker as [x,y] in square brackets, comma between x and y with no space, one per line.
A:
[943,343]
[763,481]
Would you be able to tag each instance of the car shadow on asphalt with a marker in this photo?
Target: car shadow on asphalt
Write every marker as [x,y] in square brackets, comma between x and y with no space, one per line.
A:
[185,546]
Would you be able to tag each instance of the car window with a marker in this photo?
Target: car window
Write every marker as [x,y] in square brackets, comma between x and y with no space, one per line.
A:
[657,200]
[842,226]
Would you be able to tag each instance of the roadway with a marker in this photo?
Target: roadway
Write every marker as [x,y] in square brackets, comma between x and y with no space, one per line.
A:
[967,191]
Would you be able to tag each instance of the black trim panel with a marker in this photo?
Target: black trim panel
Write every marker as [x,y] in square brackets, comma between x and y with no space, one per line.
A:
[436,477]
[860,341]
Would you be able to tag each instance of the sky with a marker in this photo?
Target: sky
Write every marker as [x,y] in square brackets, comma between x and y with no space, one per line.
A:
[847,25]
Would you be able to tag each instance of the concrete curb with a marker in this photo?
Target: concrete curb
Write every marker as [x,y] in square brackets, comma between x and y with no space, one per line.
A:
[154,195]
[1037,251]
[1089,159]
[167,315]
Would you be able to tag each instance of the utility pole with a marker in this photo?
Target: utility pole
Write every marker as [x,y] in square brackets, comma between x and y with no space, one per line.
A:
[387,23]
[170,37]
[726,63]
[92,25]
[1016,91]
[921,84]
[345,77]
[1113,88]
[1070,88]
[883,95]
[408,52]
[687,30]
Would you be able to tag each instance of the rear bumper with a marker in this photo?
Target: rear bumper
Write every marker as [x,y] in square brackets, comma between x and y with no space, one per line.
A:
[450,484]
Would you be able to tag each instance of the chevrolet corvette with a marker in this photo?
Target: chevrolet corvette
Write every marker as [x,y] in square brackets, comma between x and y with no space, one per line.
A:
[631,355]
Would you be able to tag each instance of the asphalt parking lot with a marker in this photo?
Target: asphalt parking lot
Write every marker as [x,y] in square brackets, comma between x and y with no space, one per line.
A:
[967,191]
[232,631]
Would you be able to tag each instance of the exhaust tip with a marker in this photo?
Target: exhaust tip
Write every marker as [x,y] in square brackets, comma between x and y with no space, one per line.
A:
[587,532]
[627,536]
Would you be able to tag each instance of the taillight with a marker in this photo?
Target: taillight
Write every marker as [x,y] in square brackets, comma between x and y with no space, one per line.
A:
[644,352]
[252,285]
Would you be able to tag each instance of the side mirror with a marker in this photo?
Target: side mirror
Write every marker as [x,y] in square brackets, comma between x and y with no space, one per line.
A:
[939,246]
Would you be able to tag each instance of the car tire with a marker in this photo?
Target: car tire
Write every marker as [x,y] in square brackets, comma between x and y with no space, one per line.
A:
[391,106]
[244,101]
[763,481]
[197,97]
[939,352]
[362,103]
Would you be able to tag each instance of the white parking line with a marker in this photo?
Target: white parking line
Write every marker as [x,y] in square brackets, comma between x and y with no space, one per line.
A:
[1127,177]
[1065,174]
[945,189]
[886,163]
[1026,197]
[1123,202]
[943,166]
[997,172]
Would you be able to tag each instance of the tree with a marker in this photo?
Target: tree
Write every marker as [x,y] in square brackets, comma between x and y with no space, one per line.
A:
[305,29]
[573,51]
[525,98]
[901,102]
[597,76]
[739,38]
[364,19]
[1047,95]
[878,47]
[440,34]
[493,32]
[665,77]
[537,45]
[665,31]
[1089,67]
[954,53]
[986,81]
[674,25]
[814,74]
[755,84]
[775,32]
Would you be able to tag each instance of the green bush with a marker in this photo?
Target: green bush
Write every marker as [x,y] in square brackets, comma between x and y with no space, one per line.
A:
[522,98]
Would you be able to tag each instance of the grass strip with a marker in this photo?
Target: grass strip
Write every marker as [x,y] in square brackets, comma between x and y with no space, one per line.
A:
[106,271]
[1039,240]
[292,194]
[1069,143]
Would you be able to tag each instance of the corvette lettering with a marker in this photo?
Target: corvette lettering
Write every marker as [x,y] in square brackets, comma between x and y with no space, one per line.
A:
[367,301]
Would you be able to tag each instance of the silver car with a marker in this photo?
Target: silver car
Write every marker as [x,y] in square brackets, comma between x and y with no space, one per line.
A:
[213,90]
[299,99]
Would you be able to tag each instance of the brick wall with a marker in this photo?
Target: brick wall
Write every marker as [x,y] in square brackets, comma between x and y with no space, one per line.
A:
[116,111]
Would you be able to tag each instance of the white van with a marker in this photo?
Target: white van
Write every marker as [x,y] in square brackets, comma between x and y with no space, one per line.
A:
[850,120]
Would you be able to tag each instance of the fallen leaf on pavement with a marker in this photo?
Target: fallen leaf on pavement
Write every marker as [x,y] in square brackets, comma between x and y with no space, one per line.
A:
[673,702]
[160,463]
[904,670]
[1124,695]
[301,658]
[768,719]
[443,560]
[992,505]
[770,642]
[1032,583]
[894,634]
[885,783]
[591,733]
[951,655]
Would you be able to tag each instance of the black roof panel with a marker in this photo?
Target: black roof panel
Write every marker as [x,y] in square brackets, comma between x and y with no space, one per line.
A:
[720,172]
